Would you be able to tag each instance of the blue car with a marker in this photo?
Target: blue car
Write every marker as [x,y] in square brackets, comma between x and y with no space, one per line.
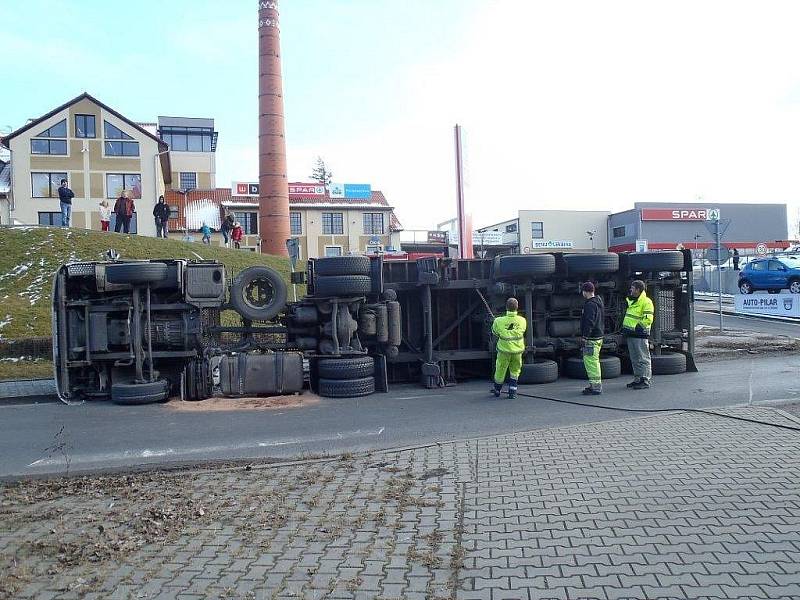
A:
[769,274]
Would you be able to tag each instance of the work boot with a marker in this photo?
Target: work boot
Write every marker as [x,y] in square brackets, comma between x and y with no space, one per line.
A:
[644,384]
[512,389]
[590,391]
[496,390]
[634,383]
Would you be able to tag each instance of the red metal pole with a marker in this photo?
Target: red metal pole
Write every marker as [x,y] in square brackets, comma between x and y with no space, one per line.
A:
[273,196]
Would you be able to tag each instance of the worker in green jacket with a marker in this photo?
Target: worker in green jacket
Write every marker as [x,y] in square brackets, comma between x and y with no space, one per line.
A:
[636,327]
[510,332]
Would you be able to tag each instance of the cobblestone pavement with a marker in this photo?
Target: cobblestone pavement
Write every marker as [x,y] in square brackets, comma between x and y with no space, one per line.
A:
[674,506]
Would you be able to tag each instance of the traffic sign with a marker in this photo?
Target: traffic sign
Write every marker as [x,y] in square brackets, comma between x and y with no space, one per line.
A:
[711,254]
[761,249]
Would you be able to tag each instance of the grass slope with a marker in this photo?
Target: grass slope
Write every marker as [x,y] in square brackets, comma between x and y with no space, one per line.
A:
[29,256]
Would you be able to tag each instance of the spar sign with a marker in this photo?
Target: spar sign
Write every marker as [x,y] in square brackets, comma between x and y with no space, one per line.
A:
[679,214]
[778,305]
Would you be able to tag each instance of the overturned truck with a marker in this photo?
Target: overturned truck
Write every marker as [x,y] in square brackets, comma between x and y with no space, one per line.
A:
[137,332]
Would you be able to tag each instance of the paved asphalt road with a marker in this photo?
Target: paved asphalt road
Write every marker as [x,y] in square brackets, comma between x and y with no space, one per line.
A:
[773,327]
[40,438]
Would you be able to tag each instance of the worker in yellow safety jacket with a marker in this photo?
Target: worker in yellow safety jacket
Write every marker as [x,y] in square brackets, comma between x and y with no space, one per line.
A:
[510,332]
[636,327]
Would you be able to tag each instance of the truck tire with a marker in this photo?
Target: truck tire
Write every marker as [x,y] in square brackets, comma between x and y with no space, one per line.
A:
[520,266]
[342,285]
[539,371]
[610,367]
[346,368]
[258,293]
[342,265]
[395,329]
[346,388]
[602,262]
[140,393]
[668,363]
[136,273]
[668,260]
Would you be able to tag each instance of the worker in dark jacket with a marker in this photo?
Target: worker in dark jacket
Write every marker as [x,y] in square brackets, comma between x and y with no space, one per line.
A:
[161,215]
[592,336]
[509,330]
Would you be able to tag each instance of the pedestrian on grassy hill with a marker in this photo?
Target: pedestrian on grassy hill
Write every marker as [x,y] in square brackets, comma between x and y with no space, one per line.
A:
[206,231]
[509,330]
[124,209]
[636,327]
[65,196]
[592,319]
[227,227]
[236,234]
[161,215]
[105,215]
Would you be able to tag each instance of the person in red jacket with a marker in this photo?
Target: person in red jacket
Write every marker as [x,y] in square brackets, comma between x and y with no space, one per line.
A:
[236,234]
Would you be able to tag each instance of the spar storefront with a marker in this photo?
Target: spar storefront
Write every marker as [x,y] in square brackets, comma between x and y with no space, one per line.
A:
[664,226]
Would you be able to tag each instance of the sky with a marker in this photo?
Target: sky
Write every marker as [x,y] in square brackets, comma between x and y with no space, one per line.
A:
[566,104]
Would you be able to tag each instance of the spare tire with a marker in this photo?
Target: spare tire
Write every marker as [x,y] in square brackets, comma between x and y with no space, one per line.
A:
[668,260]
[140,393]
[258,293]
[342,265]
[346,368]
[668,363]
[598,262]
[610,367]
[136,273]
[520,266]
[539,371]
[346,388]
[342,285]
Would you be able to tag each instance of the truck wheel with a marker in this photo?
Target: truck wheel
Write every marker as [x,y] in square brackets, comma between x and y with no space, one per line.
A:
[346,388]
[668,363]
[539,371]
[610,367]
[668,260]
[258,293]
[603,262]
[342,265]
[140,393]
[524,265]
[342,285]
[346,368]
[136,273]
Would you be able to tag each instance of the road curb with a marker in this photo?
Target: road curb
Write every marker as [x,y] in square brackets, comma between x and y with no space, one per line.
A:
[16,390]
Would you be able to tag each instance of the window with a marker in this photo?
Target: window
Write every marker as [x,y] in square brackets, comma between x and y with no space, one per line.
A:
[50,218]
[57,147]
[332,224]
[373,249]
[249,222]
[49,145]
[776,265]
[619,232]
[189,139]
[116,183]
[188,181]
[121,148]
[45,185]
[759,265]
[333,250]
[537,230]
[84,126]
[511,228]
[173,212]
[296,223]
[59,130]
[373,223]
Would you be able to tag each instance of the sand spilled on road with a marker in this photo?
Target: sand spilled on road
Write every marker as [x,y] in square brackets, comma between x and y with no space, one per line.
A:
[254,403]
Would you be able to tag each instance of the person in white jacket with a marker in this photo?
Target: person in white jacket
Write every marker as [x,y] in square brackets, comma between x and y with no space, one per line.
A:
[105,215]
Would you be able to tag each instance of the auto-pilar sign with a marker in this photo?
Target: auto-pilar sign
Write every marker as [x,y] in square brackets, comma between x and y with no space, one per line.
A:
[778,305]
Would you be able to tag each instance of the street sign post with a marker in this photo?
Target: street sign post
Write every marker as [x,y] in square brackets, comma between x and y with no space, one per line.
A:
[718,227]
